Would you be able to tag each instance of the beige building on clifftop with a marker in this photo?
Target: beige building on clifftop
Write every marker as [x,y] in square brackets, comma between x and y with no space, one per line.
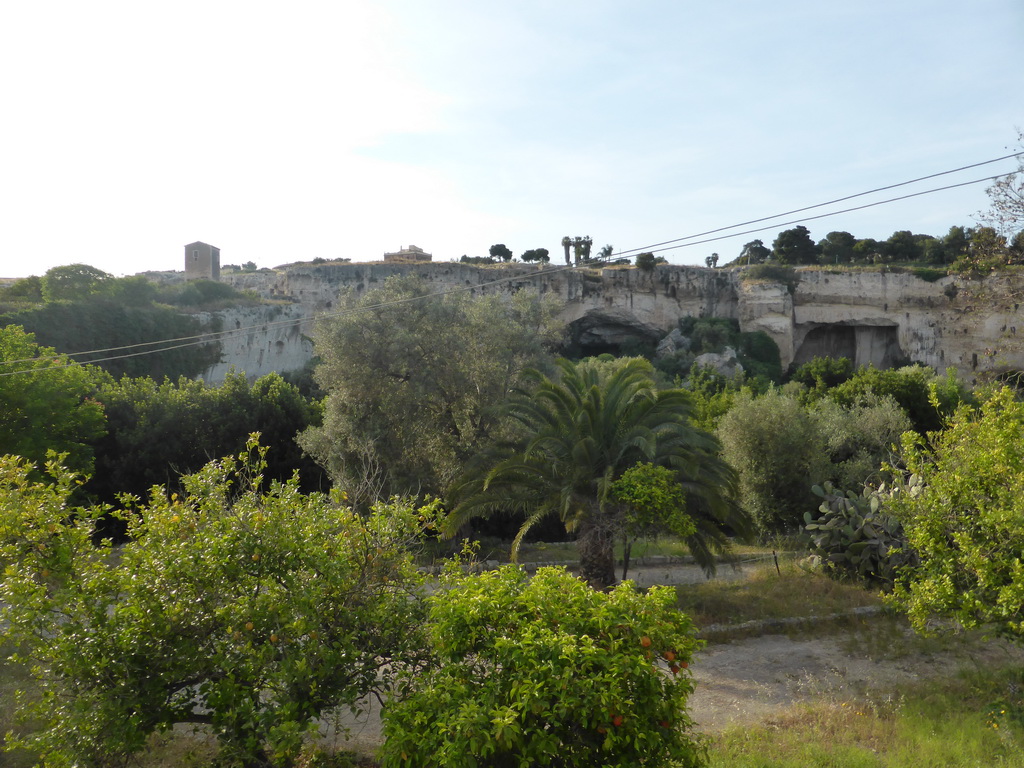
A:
[406,255]
[202,262]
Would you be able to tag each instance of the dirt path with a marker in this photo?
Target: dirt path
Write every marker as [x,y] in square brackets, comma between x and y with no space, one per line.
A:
[744,682]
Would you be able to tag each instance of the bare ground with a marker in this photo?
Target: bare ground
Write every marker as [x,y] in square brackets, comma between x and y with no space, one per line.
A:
[747,681]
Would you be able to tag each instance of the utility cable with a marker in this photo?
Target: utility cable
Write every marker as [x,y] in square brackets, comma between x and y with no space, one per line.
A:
[830,202]
[824,215]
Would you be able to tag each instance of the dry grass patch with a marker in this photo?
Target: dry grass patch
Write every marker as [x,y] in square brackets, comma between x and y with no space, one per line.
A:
[768,594]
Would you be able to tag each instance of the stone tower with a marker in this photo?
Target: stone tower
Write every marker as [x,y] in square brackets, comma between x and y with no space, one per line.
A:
[202,262]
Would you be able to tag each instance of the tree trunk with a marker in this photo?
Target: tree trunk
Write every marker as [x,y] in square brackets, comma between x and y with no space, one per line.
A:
[597,555]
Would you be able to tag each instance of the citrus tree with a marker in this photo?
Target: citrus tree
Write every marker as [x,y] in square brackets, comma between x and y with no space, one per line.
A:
[245,612]
[546,671]
[963,513]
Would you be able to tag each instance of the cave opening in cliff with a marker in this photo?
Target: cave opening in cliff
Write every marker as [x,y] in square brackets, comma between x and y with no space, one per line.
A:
[595,335]
[876,345]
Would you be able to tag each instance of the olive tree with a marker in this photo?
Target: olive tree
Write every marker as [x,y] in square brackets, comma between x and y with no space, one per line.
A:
[415,381]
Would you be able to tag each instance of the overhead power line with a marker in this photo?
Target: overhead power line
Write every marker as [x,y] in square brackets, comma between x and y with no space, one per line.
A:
[833,202]
[666,245]
[823,215]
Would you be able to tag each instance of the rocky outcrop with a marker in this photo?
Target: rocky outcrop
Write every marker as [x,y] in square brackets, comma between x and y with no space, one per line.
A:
[883,318]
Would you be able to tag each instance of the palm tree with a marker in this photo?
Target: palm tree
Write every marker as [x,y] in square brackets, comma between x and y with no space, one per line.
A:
[566,244]
[582,429]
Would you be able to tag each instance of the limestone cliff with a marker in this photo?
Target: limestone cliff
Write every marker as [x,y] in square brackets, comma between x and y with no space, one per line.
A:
[883,318]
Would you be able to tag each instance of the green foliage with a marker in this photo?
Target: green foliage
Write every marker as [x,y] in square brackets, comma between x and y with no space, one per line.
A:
[648,261]
[547,672]
[823,373]
[709,334]
[712,395]
[249,612]
[102,323]
[759,355]
[160,431]
[777,450]
[775,273]
[929,274]
[581,431]
[859,438]
[536,254]
[988,251]
[780,447]
[47,402]
[837,248]
[500,252]
[414,387]
[795,246]
[756,352]
[927,399]
[853,537]
[198,294]
[752,253]
[28,290]
[654,501]
[965,518]
[73,282]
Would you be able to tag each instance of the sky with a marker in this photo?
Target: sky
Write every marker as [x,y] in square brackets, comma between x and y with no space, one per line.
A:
[283,132]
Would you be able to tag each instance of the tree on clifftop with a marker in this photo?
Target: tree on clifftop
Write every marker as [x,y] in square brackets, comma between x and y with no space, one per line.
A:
[500,251]
[795,246]
[1006,214]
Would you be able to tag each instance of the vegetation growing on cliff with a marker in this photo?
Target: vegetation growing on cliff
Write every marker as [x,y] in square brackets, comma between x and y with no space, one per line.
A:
[78,308]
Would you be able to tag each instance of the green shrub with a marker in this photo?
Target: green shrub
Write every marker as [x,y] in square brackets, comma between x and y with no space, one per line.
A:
[778,451]
[548,672]
[775,273]
[246,611]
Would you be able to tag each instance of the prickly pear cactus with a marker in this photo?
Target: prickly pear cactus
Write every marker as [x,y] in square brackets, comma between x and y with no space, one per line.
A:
[853,537]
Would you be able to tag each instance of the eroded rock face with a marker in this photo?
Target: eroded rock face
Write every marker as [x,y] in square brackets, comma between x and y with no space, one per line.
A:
[724,363]
[883,318]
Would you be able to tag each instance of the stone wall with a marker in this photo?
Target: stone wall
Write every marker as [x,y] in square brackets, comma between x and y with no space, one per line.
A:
[883,318]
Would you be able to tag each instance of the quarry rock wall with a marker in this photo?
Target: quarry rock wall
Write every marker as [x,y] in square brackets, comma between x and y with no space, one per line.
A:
[882,318]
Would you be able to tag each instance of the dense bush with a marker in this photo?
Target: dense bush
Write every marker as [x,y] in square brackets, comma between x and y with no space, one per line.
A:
[775,273]
[859,438]
[157,432]
[823,373]
[249,612]
[780,447]
[47,403]
[927,398]
[109,325]
[756,352]
[777,449]
[548,672]
[964,515]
